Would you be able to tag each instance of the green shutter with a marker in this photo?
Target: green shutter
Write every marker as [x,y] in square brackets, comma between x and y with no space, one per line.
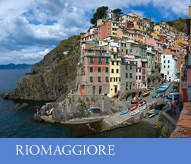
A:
[130,67]
[91,79]
[91,69]
[99,60]
[106,79]
[91,60]
[126,67]
[106,60]
[99,79]
[106,69]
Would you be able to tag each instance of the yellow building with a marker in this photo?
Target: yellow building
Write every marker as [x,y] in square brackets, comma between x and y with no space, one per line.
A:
[115,78]
[155,35]
[181,40]
[139,22]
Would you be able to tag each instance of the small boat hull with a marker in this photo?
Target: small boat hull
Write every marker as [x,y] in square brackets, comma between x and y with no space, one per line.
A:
[95,107]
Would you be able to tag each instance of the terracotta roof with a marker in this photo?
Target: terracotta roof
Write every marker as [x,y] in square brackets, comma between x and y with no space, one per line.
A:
[168,51]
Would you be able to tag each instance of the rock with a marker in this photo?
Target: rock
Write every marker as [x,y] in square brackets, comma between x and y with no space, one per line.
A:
[17,106]
[7,108]
[24,105]
[37,117]
[47,119]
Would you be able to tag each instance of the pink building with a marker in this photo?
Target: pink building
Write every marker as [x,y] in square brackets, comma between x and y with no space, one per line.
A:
[141,72]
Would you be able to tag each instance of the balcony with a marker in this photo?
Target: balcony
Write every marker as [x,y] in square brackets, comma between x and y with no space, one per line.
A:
[81,73]
[143,60]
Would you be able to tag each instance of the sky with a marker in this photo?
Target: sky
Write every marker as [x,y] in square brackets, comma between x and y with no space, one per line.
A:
[29,29]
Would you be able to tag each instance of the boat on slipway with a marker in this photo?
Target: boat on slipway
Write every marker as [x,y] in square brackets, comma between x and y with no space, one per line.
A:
[135,112]
[124,111]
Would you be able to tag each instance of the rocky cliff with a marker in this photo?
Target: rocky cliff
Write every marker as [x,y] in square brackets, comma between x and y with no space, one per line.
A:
[53,77]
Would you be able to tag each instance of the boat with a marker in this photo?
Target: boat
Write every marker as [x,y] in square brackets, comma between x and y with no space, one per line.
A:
[152,115]
[151,103]
[133,107]
[124,111]
[134,112]
[146,94]
[153,112]
[150,110]
[94,107]
[170,97]
[142,103]
[135,101]
[143,107]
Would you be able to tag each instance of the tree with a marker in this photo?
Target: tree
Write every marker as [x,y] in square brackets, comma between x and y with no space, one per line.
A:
[118,12]
[98,14]
[158,23]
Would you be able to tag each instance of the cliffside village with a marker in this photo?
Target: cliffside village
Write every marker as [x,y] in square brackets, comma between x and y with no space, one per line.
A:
[124,55]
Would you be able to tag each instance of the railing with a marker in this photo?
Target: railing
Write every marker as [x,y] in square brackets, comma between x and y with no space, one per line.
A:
[81,73]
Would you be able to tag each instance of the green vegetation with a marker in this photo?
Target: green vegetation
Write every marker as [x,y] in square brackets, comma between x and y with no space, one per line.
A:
[80,100]
[165,131]
[98,14]
[180,24]
[93,99]
[87,99]
[83,104]
[69,100]
[159,125]
[160,116]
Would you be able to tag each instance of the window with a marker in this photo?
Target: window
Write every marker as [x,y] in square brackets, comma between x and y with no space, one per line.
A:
[126,51]
[99,60]
[91,69]
[117,63]
[131,50]
[126,75]
[141,50]
[168,66]
[126,86]
[136,77]
[112,70]
[117,70]
[106,60]
[164,66]
[163,56]
[164,61]
[136,70]
[93,90]
[139,69]
[122,50]
[100,89]
[139,77]
[99,69]
[106,69]
[99,79]
[131,76]
[168,61]
[126,67]
[106,79]
[130,67]
[91,79]
[114,56]
[91,60]
[112,62]
[144,50]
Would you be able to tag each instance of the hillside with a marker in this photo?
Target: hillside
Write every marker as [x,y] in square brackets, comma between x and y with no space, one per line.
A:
[54,76]
[180,24]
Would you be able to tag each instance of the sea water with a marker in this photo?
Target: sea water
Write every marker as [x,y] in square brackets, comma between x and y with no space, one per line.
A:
[19,123]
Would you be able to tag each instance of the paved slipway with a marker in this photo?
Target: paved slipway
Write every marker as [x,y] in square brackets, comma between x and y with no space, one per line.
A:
[117,120]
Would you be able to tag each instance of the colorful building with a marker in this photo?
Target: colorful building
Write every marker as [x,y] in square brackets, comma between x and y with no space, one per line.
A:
[109,28]
[115,77]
